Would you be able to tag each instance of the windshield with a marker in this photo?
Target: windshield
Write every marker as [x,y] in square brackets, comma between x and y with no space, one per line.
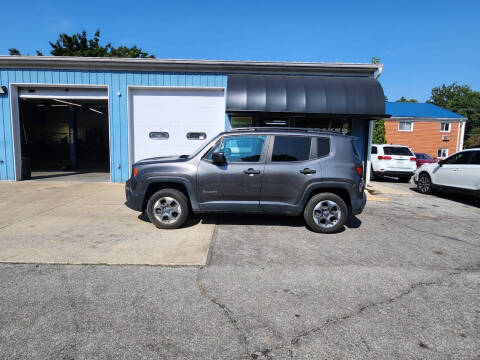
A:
[199,149]
[397,150]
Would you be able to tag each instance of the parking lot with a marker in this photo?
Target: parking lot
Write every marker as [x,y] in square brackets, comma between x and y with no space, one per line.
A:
[400,281]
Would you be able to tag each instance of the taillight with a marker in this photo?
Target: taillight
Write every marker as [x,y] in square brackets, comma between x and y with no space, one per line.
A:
[135,172]
[413,158]
[382,157]
[359,170]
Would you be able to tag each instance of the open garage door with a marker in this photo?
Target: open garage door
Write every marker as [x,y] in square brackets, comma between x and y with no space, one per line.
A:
[168,121]
[64,134]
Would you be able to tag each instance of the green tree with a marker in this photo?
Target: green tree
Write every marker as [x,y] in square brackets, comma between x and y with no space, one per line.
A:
[13,51]
[474,139]
[462,100]
[404,99]
[378,135]
[80,45]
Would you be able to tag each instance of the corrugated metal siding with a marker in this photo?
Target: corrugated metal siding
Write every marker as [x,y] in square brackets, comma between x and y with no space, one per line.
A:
[117,81]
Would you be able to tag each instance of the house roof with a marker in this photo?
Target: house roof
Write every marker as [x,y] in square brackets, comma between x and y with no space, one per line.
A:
[228,66]
[420,111]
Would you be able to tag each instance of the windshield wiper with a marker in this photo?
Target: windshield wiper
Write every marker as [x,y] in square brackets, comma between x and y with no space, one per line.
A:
[184,156]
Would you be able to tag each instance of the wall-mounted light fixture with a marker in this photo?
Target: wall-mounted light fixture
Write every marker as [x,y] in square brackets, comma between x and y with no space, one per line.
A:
[3,90]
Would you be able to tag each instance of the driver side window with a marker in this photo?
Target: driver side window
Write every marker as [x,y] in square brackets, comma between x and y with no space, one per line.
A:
[240,148]
[459,159]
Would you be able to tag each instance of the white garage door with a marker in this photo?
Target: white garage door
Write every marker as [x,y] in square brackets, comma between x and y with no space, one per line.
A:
[173,121]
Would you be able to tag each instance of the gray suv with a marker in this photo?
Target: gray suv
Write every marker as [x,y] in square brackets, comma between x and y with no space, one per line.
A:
[255,170]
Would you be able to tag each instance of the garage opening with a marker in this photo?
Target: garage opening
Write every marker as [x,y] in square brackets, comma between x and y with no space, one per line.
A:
[64,138]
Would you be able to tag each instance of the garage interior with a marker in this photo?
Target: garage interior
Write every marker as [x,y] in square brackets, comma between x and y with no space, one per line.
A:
[64,139]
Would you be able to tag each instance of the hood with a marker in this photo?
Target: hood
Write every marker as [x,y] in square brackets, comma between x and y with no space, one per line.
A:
[161,159]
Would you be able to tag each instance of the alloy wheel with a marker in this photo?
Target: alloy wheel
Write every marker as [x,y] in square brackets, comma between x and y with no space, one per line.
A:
[424,183]
[326,213]
[167,210]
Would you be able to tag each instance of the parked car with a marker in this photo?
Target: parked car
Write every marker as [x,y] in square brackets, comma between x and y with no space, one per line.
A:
[392,160]
[459,172]
[423,158]
[255,170]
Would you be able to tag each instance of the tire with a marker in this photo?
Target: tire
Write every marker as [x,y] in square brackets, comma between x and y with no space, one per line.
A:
[318,213]
[404,179]
[424,184]
[168,209]
[372,174]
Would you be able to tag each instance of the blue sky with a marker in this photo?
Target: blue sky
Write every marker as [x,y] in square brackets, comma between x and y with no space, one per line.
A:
[421,43]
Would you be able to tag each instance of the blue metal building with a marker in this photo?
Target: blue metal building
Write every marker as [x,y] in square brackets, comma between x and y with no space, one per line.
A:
[193,99]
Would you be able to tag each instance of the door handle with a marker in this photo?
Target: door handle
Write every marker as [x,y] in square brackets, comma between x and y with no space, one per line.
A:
[308,171]
[251,172]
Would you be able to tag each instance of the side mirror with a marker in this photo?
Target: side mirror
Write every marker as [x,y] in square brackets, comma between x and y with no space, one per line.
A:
[440,163]
[218,158]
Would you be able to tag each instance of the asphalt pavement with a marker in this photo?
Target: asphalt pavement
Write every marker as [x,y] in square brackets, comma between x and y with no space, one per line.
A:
[401,281]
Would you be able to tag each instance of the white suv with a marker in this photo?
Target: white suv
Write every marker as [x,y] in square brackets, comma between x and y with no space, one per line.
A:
[392,160]
[459,172]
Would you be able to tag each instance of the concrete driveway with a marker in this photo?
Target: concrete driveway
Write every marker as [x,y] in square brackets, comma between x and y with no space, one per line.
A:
[87,223]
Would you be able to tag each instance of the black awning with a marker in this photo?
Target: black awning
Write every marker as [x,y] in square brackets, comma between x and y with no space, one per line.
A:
[306,94]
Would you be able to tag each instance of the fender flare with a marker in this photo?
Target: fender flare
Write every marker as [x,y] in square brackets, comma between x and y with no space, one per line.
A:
[341,185]
[156,179]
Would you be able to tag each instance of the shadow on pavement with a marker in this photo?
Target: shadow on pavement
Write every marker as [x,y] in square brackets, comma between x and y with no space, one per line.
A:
[465,199]
[254,219]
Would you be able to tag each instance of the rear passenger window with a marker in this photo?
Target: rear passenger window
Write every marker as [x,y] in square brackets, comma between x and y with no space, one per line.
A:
[291,148]
[475,158]
[323,146]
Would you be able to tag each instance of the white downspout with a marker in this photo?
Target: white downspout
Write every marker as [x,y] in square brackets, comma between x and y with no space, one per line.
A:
[462,135]
[457,148]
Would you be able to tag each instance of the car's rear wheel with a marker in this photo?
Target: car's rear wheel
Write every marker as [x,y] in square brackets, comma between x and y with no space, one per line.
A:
[424,183]
[372,174]
[168,209]
[404,179]
[326,213]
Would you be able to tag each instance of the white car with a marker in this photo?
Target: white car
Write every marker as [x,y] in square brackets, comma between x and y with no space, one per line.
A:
[459,172]
[392,160]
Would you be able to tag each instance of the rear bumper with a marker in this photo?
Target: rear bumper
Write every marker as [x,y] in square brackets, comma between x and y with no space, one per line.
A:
[358,204]
[134,200]
[395,173]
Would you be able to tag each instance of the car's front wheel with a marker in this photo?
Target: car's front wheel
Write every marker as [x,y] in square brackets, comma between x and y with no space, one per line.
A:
[168,209]
[326,213]
[424,183]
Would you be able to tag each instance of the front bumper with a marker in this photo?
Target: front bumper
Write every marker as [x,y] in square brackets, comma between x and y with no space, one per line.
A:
[134,199]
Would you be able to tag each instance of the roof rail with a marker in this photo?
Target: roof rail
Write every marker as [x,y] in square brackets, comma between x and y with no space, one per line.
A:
[286,129]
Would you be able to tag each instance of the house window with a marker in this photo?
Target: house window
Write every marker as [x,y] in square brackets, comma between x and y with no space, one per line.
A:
[405,126]
[442,153]
[445,127]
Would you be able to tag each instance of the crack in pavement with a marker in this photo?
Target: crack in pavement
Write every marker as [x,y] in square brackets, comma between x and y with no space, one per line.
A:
[395,218]
[269,352]
[242,337]
[296,339]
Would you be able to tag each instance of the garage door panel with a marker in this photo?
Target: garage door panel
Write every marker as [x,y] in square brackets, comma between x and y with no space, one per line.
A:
[176,112]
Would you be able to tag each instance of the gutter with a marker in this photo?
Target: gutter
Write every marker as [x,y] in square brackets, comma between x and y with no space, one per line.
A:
[225,66]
